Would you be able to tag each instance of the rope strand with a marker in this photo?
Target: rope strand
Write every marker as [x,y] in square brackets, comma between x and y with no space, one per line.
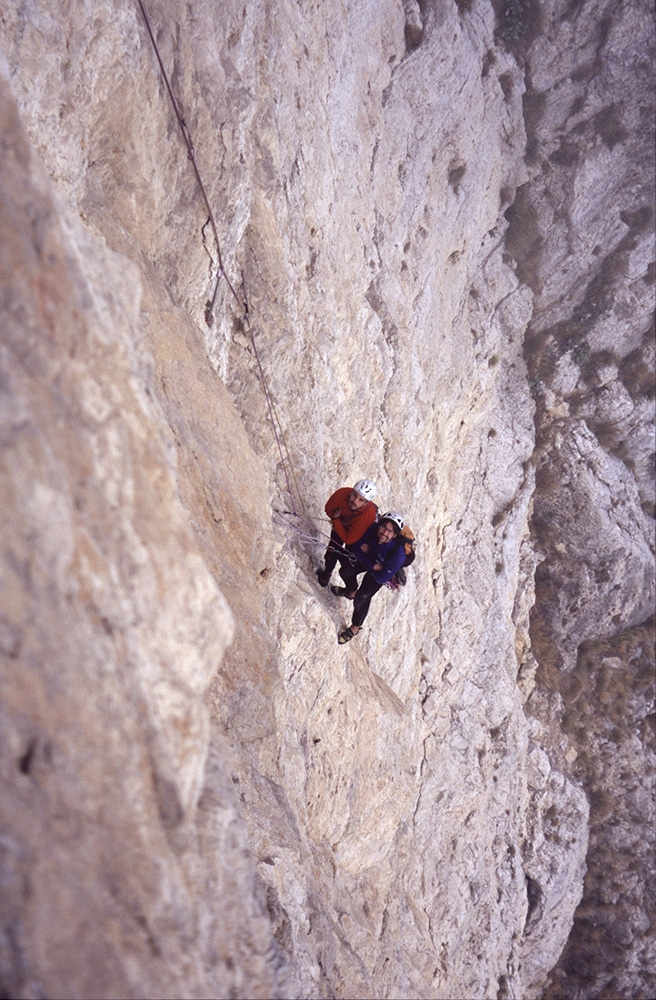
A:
[191,152]
[276,422]
[242,303]
[308,520]
[305,535]
[293,513]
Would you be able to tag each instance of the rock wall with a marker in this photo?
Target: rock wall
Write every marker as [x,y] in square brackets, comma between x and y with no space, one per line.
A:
[439,214]
[582,229]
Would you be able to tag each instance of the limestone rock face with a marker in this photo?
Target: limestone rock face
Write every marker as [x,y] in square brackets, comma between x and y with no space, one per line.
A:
[611,945]
[582,232]
[439,219]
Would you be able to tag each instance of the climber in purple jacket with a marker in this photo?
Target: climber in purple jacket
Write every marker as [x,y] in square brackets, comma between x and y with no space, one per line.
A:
[379,553]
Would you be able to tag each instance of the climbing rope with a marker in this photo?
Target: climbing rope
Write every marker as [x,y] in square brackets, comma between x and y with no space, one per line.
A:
[221,271]
[192,156]
[344,554]
[309,516]
[308,520]
[242,303]
[306,536]
[276,423]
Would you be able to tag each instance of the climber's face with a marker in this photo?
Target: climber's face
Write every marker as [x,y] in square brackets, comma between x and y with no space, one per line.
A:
[385,533]
[355,501]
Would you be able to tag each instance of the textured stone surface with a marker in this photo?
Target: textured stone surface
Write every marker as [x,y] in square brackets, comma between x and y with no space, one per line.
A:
[611,948]
[582,231]
[442,228]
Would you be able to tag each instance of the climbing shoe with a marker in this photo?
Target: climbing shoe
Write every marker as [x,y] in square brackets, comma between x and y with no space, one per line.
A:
[323,577]
[341,592]
[346,636]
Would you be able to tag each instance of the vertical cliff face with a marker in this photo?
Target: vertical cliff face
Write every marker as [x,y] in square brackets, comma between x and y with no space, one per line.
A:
[439,216]
[582,231]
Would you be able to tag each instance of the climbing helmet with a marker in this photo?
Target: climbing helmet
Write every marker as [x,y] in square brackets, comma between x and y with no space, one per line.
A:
[365,488]
[395,518]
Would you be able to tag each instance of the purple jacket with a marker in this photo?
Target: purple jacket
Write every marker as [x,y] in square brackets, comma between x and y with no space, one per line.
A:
[391,555]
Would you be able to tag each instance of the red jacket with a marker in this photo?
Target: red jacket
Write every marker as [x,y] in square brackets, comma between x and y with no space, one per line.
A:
[350,525]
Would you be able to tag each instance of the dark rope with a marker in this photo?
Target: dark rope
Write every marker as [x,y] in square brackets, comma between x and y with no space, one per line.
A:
[276,423]
[308,516]
[293,513]
[305,535]
[192,156]
[242,303]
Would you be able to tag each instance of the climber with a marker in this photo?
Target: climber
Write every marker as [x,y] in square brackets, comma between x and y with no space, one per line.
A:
[380,553]
[352,511]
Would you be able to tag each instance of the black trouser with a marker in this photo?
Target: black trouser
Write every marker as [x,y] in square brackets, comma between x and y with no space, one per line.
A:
[332,554]
[369,586]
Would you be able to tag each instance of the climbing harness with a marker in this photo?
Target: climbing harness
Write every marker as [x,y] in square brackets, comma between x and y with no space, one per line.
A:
[242,303]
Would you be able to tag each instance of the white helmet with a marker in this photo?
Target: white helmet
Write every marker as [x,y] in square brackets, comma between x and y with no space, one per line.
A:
[395,518]
[365,488]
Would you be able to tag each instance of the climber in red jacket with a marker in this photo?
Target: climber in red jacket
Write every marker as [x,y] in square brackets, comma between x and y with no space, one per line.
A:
[352,511]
